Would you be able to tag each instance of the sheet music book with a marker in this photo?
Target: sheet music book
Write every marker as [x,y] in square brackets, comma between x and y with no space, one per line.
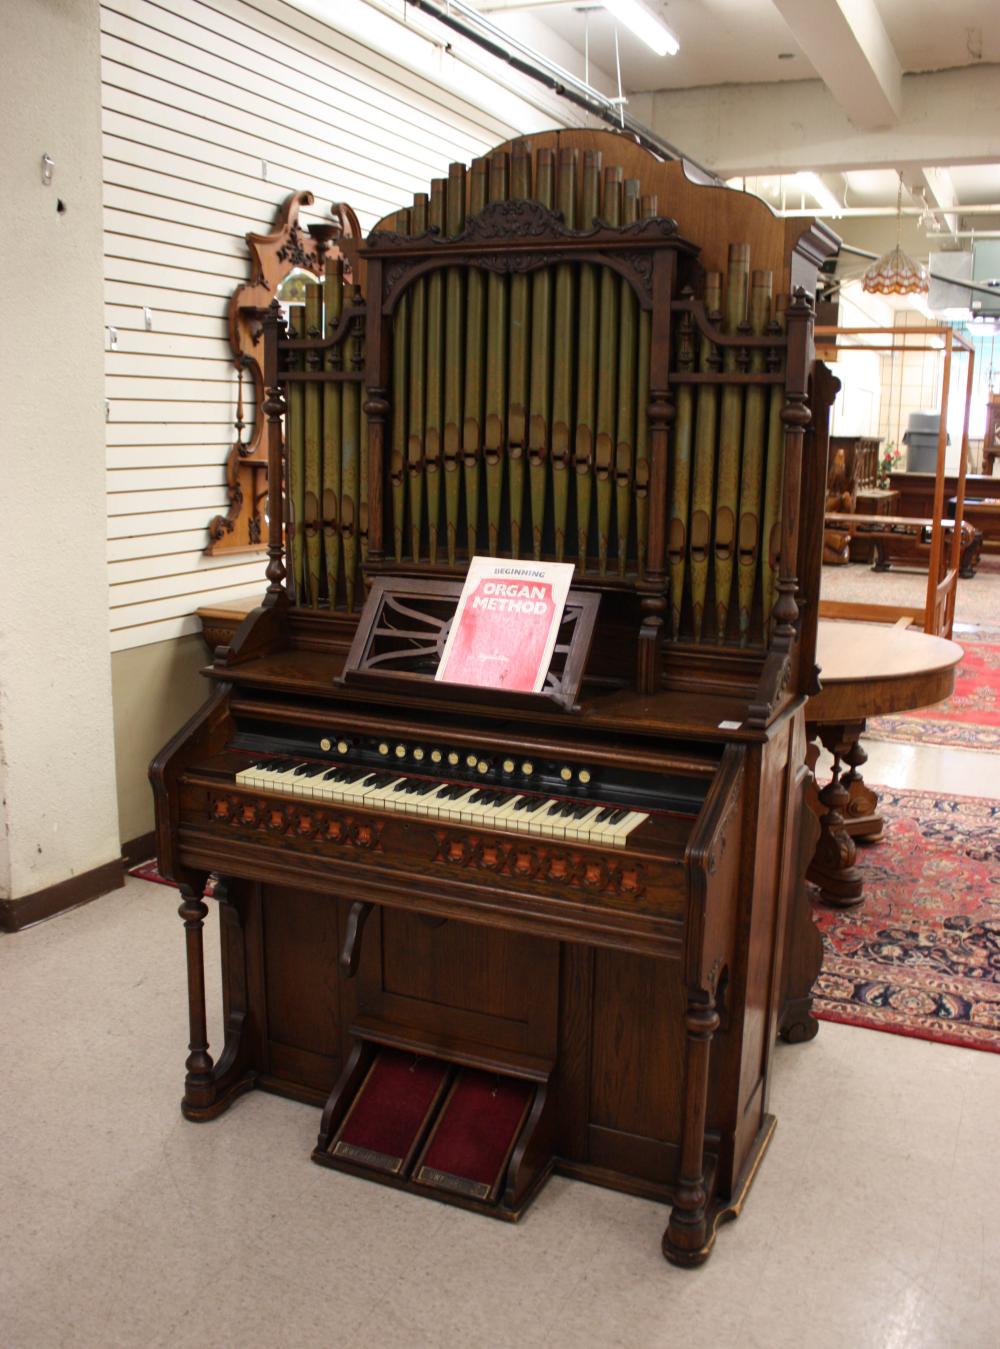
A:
[504,630]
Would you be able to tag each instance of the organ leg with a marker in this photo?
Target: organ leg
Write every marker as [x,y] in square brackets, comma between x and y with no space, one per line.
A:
[199,1063]
[688,1239]
[210,1087]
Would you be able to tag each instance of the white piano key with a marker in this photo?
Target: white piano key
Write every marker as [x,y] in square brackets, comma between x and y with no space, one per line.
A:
[619,832]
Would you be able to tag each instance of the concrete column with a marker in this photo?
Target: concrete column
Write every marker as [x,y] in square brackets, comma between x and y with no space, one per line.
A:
[58,814]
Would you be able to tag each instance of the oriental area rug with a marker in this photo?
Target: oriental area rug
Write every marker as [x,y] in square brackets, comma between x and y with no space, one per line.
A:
[970,718]
[920,955]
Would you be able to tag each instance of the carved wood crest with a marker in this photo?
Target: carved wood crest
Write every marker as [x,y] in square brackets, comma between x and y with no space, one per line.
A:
[272,257]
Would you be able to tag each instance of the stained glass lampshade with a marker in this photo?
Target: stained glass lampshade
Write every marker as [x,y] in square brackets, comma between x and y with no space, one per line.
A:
[896,273]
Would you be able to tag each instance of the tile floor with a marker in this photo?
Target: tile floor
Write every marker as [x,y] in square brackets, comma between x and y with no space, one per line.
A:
[874,1222]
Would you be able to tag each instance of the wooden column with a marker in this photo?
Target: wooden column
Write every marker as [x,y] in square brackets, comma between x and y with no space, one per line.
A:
[687,1240]
[274,410]
[200,1066]
[795,416]
[661,415]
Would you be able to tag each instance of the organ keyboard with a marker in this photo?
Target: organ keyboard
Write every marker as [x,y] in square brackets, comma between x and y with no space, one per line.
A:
[490,938]
[557,817]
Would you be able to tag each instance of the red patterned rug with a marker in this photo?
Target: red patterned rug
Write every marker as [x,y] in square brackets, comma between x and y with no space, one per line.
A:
[920,955]
[970,718]
[149,871]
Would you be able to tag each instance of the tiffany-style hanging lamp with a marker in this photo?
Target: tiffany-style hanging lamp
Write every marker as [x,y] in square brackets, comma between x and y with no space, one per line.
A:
[896,273]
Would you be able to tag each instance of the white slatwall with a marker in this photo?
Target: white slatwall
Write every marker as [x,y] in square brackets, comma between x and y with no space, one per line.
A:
[200,96]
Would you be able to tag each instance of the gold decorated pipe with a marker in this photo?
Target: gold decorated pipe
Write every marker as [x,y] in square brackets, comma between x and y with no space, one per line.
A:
[434,410]
[627,341]
[295,434]
[494,428]
[475,333]
[313,401]
[416,401]
[706,423]
[774,478]
[755,415]
[397,448]
[647,210]
[562,366]
[730,437]
[539,422]
[586,384]
[362,485]
[454,362]
[355,459]
[518,369]
[607,372]
[680,483]
[333,304]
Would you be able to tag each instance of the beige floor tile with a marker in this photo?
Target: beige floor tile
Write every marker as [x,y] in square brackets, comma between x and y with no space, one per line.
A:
[874,1222]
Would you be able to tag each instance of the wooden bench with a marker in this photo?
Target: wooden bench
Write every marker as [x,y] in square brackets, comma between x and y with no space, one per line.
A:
[898,539]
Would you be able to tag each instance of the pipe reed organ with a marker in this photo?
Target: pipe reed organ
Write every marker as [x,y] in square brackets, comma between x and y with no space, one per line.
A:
[496,936]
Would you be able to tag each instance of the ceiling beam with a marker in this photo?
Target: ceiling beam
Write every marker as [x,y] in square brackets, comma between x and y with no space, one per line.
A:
[949,117]
[846,42]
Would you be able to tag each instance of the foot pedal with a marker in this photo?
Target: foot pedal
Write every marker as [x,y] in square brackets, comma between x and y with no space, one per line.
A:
[388,1118]
[471,1142]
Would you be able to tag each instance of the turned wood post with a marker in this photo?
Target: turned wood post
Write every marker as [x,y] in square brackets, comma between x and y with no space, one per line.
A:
[661,413]
[198,1082]
[795,416]
[833,866]
[686,1240]
[273,408]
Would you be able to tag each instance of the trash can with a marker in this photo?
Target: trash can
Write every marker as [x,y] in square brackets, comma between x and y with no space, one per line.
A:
[921,441]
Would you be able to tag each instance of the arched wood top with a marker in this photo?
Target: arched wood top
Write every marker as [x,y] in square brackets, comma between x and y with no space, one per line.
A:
[710,216]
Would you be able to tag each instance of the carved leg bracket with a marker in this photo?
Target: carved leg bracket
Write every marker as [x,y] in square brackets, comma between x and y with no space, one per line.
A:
[861,818]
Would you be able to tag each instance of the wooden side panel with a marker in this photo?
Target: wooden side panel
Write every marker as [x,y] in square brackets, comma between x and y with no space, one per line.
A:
[301,947]
[637,1057]
[460,988]
[767,804]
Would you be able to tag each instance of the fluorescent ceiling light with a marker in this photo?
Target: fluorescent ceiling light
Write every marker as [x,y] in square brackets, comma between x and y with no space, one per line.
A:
[818,190]
[645,25]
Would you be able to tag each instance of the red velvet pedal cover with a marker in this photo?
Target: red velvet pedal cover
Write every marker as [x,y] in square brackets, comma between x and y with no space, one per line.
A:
[386,1121]
[475,1132]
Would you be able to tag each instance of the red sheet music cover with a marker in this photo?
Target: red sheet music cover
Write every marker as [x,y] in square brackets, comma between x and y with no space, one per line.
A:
[505,626]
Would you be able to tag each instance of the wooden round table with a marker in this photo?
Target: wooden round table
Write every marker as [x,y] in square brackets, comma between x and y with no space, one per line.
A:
[867,670]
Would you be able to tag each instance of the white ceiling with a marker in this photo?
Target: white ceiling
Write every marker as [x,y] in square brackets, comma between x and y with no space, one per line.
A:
[740,41]
[860,49]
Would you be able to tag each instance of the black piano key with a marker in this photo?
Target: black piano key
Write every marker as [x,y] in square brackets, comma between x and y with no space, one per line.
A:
[605,815]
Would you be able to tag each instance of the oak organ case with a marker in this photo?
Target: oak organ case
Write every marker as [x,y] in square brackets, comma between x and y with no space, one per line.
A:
[494,939]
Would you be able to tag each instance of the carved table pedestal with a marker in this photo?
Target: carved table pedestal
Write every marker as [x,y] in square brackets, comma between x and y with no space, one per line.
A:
[867,670]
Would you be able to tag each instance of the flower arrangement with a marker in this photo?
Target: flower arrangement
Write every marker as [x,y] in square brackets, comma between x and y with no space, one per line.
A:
[887,461]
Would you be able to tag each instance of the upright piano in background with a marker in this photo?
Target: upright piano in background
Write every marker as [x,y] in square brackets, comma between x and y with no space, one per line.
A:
[496,936]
